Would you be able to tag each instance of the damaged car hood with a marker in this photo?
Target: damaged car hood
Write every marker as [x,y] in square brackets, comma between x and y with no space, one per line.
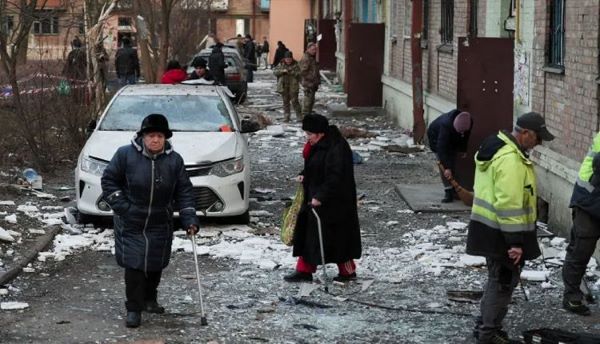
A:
[194,147]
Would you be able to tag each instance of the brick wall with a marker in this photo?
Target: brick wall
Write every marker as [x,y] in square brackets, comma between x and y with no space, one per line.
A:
[568,101]
[439,67]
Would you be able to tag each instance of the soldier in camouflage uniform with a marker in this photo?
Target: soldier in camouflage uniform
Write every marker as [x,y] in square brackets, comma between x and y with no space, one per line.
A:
[311,79]
[288,84]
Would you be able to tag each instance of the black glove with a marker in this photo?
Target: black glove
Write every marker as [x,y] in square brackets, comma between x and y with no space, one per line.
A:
[595,180]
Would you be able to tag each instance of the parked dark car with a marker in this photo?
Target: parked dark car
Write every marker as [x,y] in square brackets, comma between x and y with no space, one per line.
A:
[235,73]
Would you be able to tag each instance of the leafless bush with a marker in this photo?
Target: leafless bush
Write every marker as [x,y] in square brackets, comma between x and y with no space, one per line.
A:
[54,130]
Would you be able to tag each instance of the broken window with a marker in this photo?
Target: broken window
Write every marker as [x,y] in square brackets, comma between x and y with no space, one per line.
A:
[124,21]
[556,53]
[447,28]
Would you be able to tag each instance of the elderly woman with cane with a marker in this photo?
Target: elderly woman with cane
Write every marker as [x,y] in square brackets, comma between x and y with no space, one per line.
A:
[330,190]
[143,182]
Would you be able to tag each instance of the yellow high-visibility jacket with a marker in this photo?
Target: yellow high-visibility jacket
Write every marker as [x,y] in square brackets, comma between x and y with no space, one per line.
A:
[586,195]
[504,205]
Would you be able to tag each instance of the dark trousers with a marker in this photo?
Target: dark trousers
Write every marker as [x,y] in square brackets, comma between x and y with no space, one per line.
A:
[503,277]
[250,74]
[584,236]
[140,287]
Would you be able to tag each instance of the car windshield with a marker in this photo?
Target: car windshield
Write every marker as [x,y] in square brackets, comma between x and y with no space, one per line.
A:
[230,61]
[184,112]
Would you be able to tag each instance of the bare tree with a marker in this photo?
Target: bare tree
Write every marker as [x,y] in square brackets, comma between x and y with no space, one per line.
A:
[13,43]
[190,28]
[96,14]
[153,24]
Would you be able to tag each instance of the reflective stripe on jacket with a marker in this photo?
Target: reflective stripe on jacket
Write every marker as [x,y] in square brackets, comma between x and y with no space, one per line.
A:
[586,196]
[504,207]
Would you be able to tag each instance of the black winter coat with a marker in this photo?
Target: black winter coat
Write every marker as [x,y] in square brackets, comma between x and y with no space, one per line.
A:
[250,52]
[279,52]
[217,65]
[445,141]
[127,62]
[142,191]
[329,177]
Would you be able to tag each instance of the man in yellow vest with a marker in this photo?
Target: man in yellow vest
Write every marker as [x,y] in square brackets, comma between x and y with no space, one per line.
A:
[502,227]
[585,232]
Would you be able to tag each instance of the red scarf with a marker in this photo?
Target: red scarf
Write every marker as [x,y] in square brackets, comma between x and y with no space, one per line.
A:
[306,150]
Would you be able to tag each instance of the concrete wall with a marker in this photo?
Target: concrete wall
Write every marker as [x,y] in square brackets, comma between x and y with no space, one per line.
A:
[287,24]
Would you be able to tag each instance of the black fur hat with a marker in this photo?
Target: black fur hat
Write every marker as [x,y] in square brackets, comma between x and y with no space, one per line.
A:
[155,123]
[315,123]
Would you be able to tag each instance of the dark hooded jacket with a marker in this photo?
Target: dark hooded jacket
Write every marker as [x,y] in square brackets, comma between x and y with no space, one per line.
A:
[143,191]
[127,62]
[217,65]
[279,52]
[329,177]
[445,141]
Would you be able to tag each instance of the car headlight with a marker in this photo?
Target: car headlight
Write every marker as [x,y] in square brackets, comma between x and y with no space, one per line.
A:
[227,168]
[93,166]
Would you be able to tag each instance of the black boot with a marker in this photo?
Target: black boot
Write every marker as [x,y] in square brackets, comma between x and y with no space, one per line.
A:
[134,319]
[448,196]
[154,307]
[297,276]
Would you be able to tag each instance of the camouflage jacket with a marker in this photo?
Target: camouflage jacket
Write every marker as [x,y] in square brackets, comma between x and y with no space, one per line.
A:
[309,70]
[290,81]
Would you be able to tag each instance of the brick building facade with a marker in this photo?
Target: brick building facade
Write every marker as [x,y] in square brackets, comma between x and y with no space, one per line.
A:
[242,17]
[556,69]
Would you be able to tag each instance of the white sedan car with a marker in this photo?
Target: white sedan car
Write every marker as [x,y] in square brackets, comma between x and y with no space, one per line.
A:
[207,133]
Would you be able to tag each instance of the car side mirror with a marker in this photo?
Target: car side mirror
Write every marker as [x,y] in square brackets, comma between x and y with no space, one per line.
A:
[249,126]
[90,127]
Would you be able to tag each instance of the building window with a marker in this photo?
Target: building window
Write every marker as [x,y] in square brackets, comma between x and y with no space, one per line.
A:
[473,18]
[242,26]
[556,51]
[47,25]
[425,33]
[8,24]
[447,29]
[124,21]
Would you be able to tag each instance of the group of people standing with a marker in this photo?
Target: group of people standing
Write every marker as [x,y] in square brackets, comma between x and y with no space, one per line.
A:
[291,74]
[504,211]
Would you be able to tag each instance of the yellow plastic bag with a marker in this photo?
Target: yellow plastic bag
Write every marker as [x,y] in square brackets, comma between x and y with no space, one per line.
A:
[290,216]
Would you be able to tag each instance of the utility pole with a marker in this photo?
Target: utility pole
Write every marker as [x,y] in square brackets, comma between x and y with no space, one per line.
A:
[417,70]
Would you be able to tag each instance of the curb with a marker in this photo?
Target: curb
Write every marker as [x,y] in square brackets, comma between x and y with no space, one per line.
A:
[41,243]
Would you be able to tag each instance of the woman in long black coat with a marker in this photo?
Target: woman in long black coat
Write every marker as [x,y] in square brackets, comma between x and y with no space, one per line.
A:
[329,188]
[142,183]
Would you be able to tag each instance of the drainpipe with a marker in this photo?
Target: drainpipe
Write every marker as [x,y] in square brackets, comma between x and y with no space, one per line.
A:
[347,22]
[254,18]
[417,71]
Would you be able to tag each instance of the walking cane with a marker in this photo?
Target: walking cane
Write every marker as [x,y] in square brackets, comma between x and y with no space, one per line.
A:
[203,321]
[322,249]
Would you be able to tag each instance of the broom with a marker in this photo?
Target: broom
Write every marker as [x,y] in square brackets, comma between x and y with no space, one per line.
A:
[465,195]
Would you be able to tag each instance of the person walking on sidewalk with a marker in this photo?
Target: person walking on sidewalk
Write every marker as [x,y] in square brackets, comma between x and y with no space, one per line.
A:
[311,79]
[127,64]
[250,57]
[502,227]
[329,188]
[585,202]
[448,135]
[288,85]
[264,56]
[141,184]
